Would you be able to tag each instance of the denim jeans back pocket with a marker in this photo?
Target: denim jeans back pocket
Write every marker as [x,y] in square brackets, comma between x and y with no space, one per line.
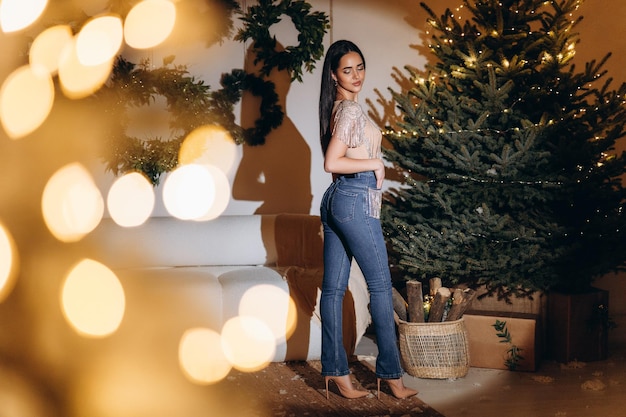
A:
[343,205]
[374,202]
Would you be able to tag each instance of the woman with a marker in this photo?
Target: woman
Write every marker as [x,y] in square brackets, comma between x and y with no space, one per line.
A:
[350,212]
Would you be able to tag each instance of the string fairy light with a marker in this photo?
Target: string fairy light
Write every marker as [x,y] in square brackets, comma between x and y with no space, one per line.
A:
[442,132]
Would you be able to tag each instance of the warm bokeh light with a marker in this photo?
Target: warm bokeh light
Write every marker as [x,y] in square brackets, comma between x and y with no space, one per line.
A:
[209,145]
[131,199]
[47,47]
[273,306]
[222,194]
[72,205]
[93,299]
[149,23]
[99,40]
[92,7]
[212,147]
[19,14]
[189,192]
[248,343]
[26,99]
[124,380]
[78,80]
[8,262]
[201,356]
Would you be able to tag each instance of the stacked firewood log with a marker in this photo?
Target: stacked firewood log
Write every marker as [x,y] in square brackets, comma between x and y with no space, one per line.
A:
[440,304]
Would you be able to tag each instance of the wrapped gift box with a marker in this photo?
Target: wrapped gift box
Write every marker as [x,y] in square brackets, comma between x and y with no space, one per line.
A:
[487,349]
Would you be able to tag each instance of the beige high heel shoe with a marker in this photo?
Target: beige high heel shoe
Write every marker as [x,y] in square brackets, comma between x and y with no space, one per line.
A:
[345,387]
[397,388]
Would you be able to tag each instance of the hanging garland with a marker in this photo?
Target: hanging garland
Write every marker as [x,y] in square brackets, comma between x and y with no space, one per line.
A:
[311,28]
[190,102]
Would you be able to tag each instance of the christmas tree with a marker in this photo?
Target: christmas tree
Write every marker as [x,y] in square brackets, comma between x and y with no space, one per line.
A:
[507,154]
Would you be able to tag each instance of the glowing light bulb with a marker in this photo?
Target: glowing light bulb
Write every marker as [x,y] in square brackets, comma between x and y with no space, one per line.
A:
[72,205]
[99,40]
[189,192]
[201,357]
[16,15]
[93,299]
[8,262]
[242,332]
[48,45]
[26,99]
[149,23]
[131,199]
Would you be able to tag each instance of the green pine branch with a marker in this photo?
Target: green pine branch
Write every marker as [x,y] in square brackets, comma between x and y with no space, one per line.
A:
[510,178]
[514,356]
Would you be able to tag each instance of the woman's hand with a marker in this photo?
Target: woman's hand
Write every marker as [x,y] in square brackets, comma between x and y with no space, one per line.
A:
[380,174]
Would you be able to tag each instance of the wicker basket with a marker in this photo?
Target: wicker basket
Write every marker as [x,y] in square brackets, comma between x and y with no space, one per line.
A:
[434,350]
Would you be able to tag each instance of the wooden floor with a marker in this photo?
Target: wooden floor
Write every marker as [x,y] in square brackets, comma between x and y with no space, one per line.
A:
[297,389]
[576,389]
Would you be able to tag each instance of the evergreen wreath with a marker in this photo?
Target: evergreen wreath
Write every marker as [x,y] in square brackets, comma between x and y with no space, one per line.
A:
[311,28]
[131,85]
[233,84]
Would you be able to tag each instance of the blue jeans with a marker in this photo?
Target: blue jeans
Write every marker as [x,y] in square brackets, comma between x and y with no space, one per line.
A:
[350,231]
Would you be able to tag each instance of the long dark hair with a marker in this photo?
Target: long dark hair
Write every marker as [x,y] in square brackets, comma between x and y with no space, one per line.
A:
[328,89]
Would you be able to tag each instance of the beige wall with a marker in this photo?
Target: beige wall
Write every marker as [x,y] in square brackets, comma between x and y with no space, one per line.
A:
[286,174]
[390,35]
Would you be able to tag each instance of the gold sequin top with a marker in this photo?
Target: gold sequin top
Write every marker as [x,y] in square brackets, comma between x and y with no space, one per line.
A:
[352,126]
